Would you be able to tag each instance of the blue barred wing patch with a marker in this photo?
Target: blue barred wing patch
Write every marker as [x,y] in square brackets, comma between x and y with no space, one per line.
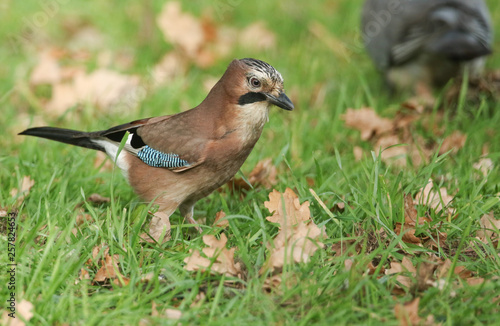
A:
[155,158]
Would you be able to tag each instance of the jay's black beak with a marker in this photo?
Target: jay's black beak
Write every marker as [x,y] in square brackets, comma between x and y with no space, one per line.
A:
[281,101]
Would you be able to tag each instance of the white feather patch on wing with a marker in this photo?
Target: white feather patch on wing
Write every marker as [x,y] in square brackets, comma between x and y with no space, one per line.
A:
[111,149]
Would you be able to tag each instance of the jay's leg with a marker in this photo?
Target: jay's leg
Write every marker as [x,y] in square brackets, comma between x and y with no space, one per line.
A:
[187,212]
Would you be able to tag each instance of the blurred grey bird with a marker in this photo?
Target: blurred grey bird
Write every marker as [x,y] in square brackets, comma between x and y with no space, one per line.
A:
[426,41]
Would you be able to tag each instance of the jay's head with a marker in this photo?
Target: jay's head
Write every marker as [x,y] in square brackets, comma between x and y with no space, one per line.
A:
[252,82]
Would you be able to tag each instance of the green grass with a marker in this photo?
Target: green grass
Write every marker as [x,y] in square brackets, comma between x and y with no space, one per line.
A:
[310,143]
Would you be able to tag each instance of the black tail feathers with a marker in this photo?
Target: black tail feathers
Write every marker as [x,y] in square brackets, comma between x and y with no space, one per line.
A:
[68,136]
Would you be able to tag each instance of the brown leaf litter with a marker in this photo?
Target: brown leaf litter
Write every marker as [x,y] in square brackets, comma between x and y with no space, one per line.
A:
[385,133]
[437,199]
[298,236]
[264,174]
[108,268]
[20,194]
[159,229]
[413,222]
[218,259]
[23,314]
[201,41]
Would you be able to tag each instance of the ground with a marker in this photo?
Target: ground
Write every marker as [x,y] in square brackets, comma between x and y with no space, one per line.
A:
[388,246]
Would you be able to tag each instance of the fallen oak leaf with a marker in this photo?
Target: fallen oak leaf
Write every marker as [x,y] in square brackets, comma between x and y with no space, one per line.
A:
[159,229]
[453,142]
[222,258]
[23,314]
[98,199]
[181,29]
[409,234]
[257,36]
[367,121]
[220,220]
[407,314]
[406,266]
[484,165]
[489,227]
[435,199]
[171,66]
[425,274]
[47,70]
[264,173]
[109,268]
[293,212]
[26,184]
[297,238]
[102,87]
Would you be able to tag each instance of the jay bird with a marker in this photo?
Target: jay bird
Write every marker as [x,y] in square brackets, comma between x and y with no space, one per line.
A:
[175,160]
[426,41]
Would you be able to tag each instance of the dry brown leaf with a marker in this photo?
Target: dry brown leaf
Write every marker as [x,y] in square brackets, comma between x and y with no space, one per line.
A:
[276,283]
[103,87]
[422,100]
[297,239]
[462,272]
[367,121]
[348,264]
[405,266]
[411,220]
[84,274]
[489,226]
[171,66]
[396,155]
[47,70]
[220,221]
[473,281]
[257,36]
[372,268]
[453,142]
[223,258]
[63,97]
[425,274]
[121,281]
[409,234]
[293,212]
[172,314]
[407,314]
[181,29]
[430,197]
[26,184]
[198,300]
[443,268]
[341,247]
[264,173]
[484,165]
[410,211]
[24,312]
[358,153]
[82,218]
[98,199]
[159,228]
[109,268]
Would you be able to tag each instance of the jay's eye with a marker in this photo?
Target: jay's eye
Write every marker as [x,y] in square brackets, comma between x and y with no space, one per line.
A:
[254,82]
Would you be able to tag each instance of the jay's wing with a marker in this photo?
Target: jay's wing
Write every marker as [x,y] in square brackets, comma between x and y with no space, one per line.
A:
[165,142]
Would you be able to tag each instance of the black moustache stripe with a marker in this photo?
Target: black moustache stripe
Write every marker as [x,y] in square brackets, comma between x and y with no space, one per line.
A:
[251,97]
